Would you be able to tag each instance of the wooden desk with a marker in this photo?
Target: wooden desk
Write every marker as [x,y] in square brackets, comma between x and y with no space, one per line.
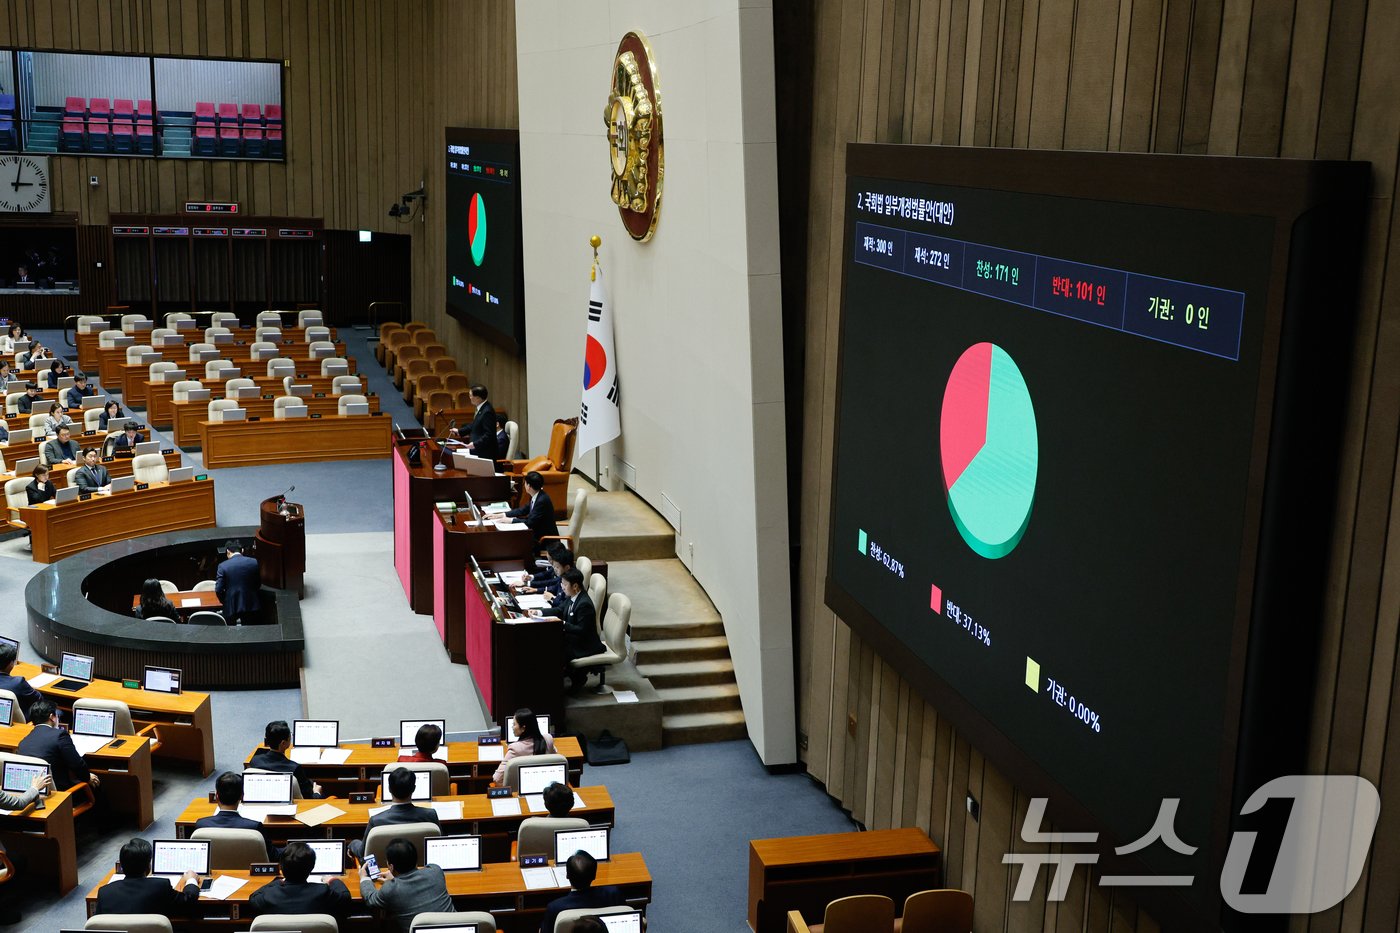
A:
[135,377]
[185,721]
[104,361]
[497,832]
[117,466]
[297,440]
[125,771]
[454,544]
[46,839]
[362,770]
[498,886]
[416,489]
[805,873]
[60,530]
[203,600]
[188,415]
[507,656]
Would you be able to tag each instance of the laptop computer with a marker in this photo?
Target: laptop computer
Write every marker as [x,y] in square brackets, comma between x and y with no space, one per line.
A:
[336,369]
[629,922]
[92,729]
[171,858]
[422,785]
[162,679]
[300,389]
[234,414]
[66,494]
[267,795]
[294,411]
[7,711]
[17,776]
[330,857]
[64,383]
[408,729]
[453,853]
[117,425]
[93,401]
[180,474]
[357,408]
[122,483]
[420,928]
[541,718]
[26,466]
[75,669]
[535,778]
[148,447]
[595,840]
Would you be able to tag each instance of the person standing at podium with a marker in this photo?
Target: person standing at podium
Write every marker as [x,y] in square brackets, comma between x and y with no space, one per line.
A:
[483,432]
[237,585]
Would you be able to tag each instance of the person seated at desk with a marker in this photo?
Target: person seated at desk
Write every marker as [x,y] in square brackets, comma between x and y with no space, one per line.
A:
[22,276]
[580,627]
[407,890]
[47,741]
[36,352]
[128,439]
[22,689]
[558,800]
[7,340]
[581,870]
[402,810]
[57,371]
[62,448]
[154,603]
[502,436]
[538,513]
[4,431]
[293,894]
[6,375]
[56,418]
[272,756]
[550,579]
[92,475]
[138,893]
[41,784]
[109,411]
[426,741]
[528,740]
[77,392]
[228,789]
[25,403]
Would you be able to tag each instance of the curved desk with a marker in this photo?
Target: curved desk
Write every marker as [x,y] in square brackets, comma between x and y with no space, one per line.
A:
[82,604]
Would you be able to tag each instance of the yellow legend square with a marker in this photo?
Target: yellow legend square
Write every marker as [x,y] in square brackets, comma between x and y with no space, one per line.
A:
[1033,674]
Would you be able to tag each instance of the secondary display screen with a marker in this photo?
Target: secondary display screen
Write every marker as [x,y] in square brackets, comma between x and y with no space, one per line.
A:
[1053,413]
[483,232]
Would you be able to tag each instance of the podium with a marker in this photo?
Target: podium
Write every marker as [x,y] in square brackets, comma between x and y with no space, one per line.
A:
[281,545]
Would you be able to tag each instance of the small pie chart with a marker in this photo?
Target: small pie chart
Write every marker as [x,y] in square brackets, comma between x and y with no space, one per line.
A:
[476,228]
[990,450]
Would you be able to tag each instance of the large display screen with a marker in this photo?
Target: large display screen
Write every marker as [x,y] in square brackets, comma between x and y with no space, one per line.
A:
[484,277]
[1053,419]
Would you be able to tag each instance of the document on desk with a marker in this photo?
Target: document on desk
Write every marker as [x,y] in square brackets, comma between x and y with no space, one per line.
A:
[335,756]
[516,577]
[305,756]
[490,753]
[261,811]
[40,681]
[318,815]
[512,526]
[505,806]
[187,602]
[376,810]
[625,696]
[540,879]
[534,601]
[496,507]
[536,802]
[448,809]
[222,886]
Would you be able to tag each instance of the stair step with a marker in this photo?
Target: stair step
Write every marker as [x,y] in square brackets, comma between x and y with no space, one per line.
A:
[682,649]
[703,699]
[688,673]
[700,628]
[690,728]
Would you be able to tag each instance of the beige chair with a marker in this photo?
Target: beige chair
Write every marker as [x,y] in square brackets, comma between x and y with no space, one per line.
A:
[150,468]
[238,382]
[584,565]
[378,838]
[512,777]
[485,923]
[345,400]
[16,713]
[269,319]
[223,319]
[214,369]
[153,372]
[92,418]
[197,348]
[129,322]
[294,923]
[439,781]
[315,345]
[182,389]
[556,464]
[205,586]
[598,596]
[216,331]
[564,923]
[167,587]
[943,910]
[159,332]
[260,347]
[330,361]
[338,383]
[859,913]
[537,834]
[138,350]
[90,323]
[614,651]
[174,316]
[282,403]
[512,441]
[16,498]
[280,366]
[233,849]
[317,332]
[269,334]
[218,405]
[573,535]
[310,317]
[107,339]
[38,423]
[130,923]
[125,724]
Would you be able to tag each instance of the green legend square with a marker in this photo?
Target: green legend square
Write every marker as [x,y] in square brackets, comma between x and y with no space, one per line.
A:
[1032,674]
[864,540]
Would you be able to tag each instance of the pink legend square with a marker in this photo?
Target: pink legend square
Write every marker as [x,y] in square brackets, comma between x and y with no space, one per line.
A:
[935,599]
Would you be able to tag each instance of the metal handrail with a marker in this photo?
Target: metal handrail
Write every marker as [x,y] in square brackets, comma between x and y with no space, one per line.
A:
[374,314]
[73,320]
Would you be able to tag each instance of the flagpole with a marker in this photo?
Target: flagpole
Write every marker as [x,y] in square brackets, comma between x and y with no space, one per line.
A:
[596,241]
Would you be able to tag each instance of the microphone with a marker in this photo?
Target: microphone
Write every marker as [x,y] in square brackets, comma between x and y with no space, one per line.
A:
[441,467]
[282,508]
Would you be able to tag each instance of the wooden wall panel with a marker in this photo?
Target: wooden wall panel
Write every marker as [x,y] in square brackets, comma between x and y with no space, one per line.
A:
[1297,78]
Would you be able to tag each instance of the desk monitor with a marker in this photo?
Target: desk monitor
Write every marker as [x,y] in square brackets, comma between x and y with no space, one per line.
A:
[21,346]
[26,466]
[234,414]
[10,641]
[122,483]
[541,718]
[205,356]
[294,411]
[171,858]
[101,722]
[180,474]
[263,353]
[330,855]
[139,327]
[123,340]
[594,840]
[162,679]
[76,669]
[474,466]
[64,383]
[629,922]
[222,338]
[350,388]
[420,928]
[453,853]
[148,447]
[282,370]
[197,395]
[335,369]
[184,324]
[302,390]
[7,711]
[171,340]
[262,787]
[17,776]
[357,408]
[408,730]
[316,733]
[148,358]
[173,375]
[535,778]
[318,353]
[93,401]
[422,785]
[42,366]
[117,425]
[66,494]
[244,392]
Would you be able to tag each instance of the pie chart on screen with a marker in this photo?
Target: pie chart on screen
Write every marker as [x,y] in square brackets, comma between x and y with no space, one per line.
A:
[476,228]
[990,450]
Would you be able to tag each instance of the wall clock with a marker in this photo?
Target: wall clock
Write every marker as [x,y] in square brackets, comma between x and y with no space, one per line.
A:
[24,184]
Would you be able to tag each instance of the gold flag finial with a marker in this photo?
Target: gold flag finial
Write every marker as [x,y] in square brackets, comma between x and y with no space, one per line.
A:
[594,241]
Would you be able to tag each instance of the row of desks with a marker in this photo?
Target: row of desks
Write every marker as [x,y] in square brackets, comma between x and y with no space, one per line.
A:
[89,348]
[161,409]
[58,472]
[296,440]
[133,379]
[58,531]
[188,416]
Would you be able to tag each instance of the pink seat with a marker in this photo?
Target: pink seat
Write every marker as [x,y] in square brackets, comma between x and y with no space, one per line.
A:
[204,132]
[252,132]
[97,125]
[204,111]
[273,112]
[74,107]
[144,110]
[228,113]
[100,107]
[252,113]
[123,109]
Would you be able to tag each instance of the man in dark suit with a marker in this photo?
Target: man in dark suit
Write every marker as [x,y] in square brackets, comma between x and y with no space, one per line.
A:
[581,868]
[22,689]
[47,741]
[129,438]
[79,391]
[402,810]
[62,449]
[92,475]
[580,626]
[293,894]
[137,893]
[483,436]
[237,585]
[538,513]
[277,738]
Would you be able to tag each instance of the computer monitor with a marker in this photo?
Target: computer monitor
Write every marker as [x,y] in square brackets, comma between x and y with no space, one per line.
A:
[330,855]
[26,466]
[435,928]
[594,840]
[10,641]
[174,857]
[162,679]
[101,722]
[629,922]
[122,483]
[316,733]
[17,776]
[357,408]
[260,787]
[148,447]
[408,729]
[535,778]
[422,785]
[453,853]
[180,474]
[541,718]
[66,494]
[7,711]
[76,671]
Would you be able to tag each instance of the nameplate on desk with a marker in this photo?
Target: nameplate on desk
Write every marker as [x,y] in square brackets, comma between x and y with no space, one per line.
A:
[384,742]
[494,793]
[488,740]
[200,477]
[108,459]
[365,796]
[89,433]
[262,869]
[143,485]
[534,861]
[167,450]
[268,395]
[250,419]
[320,395]
[131,684]
[375,414]
[315,416]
